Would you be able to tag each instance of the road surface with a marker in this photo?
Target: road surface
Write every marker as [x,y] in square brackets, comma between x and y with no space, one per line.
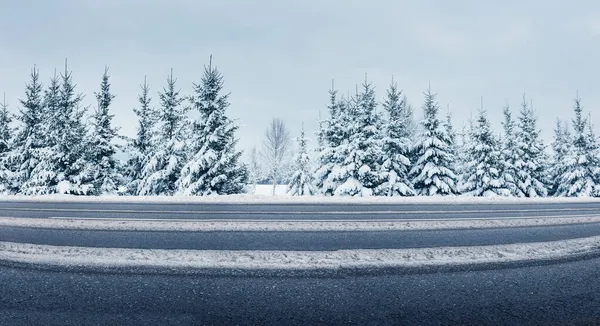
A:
[560,294]
[290,211]
[566,292]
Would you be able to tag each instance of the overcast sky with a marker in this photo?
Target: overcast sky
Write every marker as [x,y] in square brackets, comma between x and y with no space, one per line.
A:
[278,57]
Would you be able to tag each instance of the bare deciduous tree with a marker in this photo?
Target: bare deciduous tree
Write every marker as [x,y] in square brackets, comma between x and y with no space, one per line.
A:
[276,150]
[255,168]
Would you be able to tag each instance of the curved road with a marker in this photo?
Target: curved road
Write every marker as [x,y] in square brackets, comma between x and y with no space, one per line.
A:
[545,294]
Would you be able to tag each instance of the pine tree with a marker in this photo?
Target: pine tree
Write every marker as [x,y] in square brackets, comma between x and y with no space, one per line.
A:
[214,168]
[581,176]
[168,155]
[358,175]
[484,172]
[44,177]
[594,154]
[70,133]
[141,146]
[531,160]
[509,152]
[432,172]
[102,169]
[333,135]
[451,135]
[463,155]
[396,146]
[562,151]
[29,139]
[301,183]
[5,147]
[5,127]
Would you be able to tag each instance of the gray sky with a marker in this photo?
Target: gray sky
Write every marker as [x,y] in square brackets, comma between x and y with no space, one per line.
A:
[278,57]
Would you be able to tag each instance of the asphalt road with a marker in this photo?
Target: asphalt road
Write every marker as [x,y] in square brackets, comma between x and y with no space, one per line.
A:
[559,294]
[317,240]
[313,240]
[290,211]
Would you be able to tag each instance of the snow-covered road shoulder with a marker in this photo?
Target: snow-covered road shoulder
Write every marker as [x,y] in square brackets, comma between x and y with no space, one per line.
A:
[170,225]
[294,260]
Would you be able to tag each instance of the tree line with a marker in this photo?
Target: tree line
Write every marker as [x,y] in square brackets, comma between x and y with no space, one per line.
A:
[55,150]
[371,148]
[365,147]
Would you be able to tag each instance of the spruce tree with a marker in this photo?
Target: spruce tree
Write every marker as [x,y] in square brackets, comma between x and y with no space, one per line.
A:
[301,183]
[5,147]
[6,131]
[101,169]
[594,154]
[509,152]
[396,146]
[141,146]
[70,132]
[432,172]
[562,152]
[168,155]
[452,139]
[581,176]
[463,155]
[358,174]
[29,139]
[44,177]
[214,167]
[531,161]
[333,134]
[484,172]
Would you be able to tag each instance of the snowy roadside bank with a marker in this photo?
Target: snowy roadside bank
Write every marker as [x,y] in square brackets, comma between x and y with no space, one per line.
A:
[284,199]
[287,260]
[286,225]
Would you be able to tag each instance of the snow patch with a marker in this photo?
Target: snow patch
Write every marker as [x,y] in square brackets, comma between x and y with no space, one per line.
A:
[286,260]
[287,225]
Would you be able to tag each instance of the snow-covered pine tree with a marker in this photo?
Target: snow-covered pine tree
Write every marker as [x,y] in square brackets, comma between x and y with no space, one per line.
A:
[101,169]
[581,177]
[561,153]
[485,178]
[451,134]
[70,132]
[301,183]
[333,135]
[141,146]
[396,145]
[358,175]
[5,146]
[594,153]
[432,172]
[215,167]
[44,177]
[463,146]
[6,131]
[163,168]
[509,151]
[531,158]
[29,138]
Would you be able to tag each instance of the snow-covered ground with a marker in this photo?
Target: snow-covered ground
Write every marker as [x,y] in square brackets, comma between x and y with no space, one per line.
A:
[263,196]
[267,190]
[253,259]
[286,225]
